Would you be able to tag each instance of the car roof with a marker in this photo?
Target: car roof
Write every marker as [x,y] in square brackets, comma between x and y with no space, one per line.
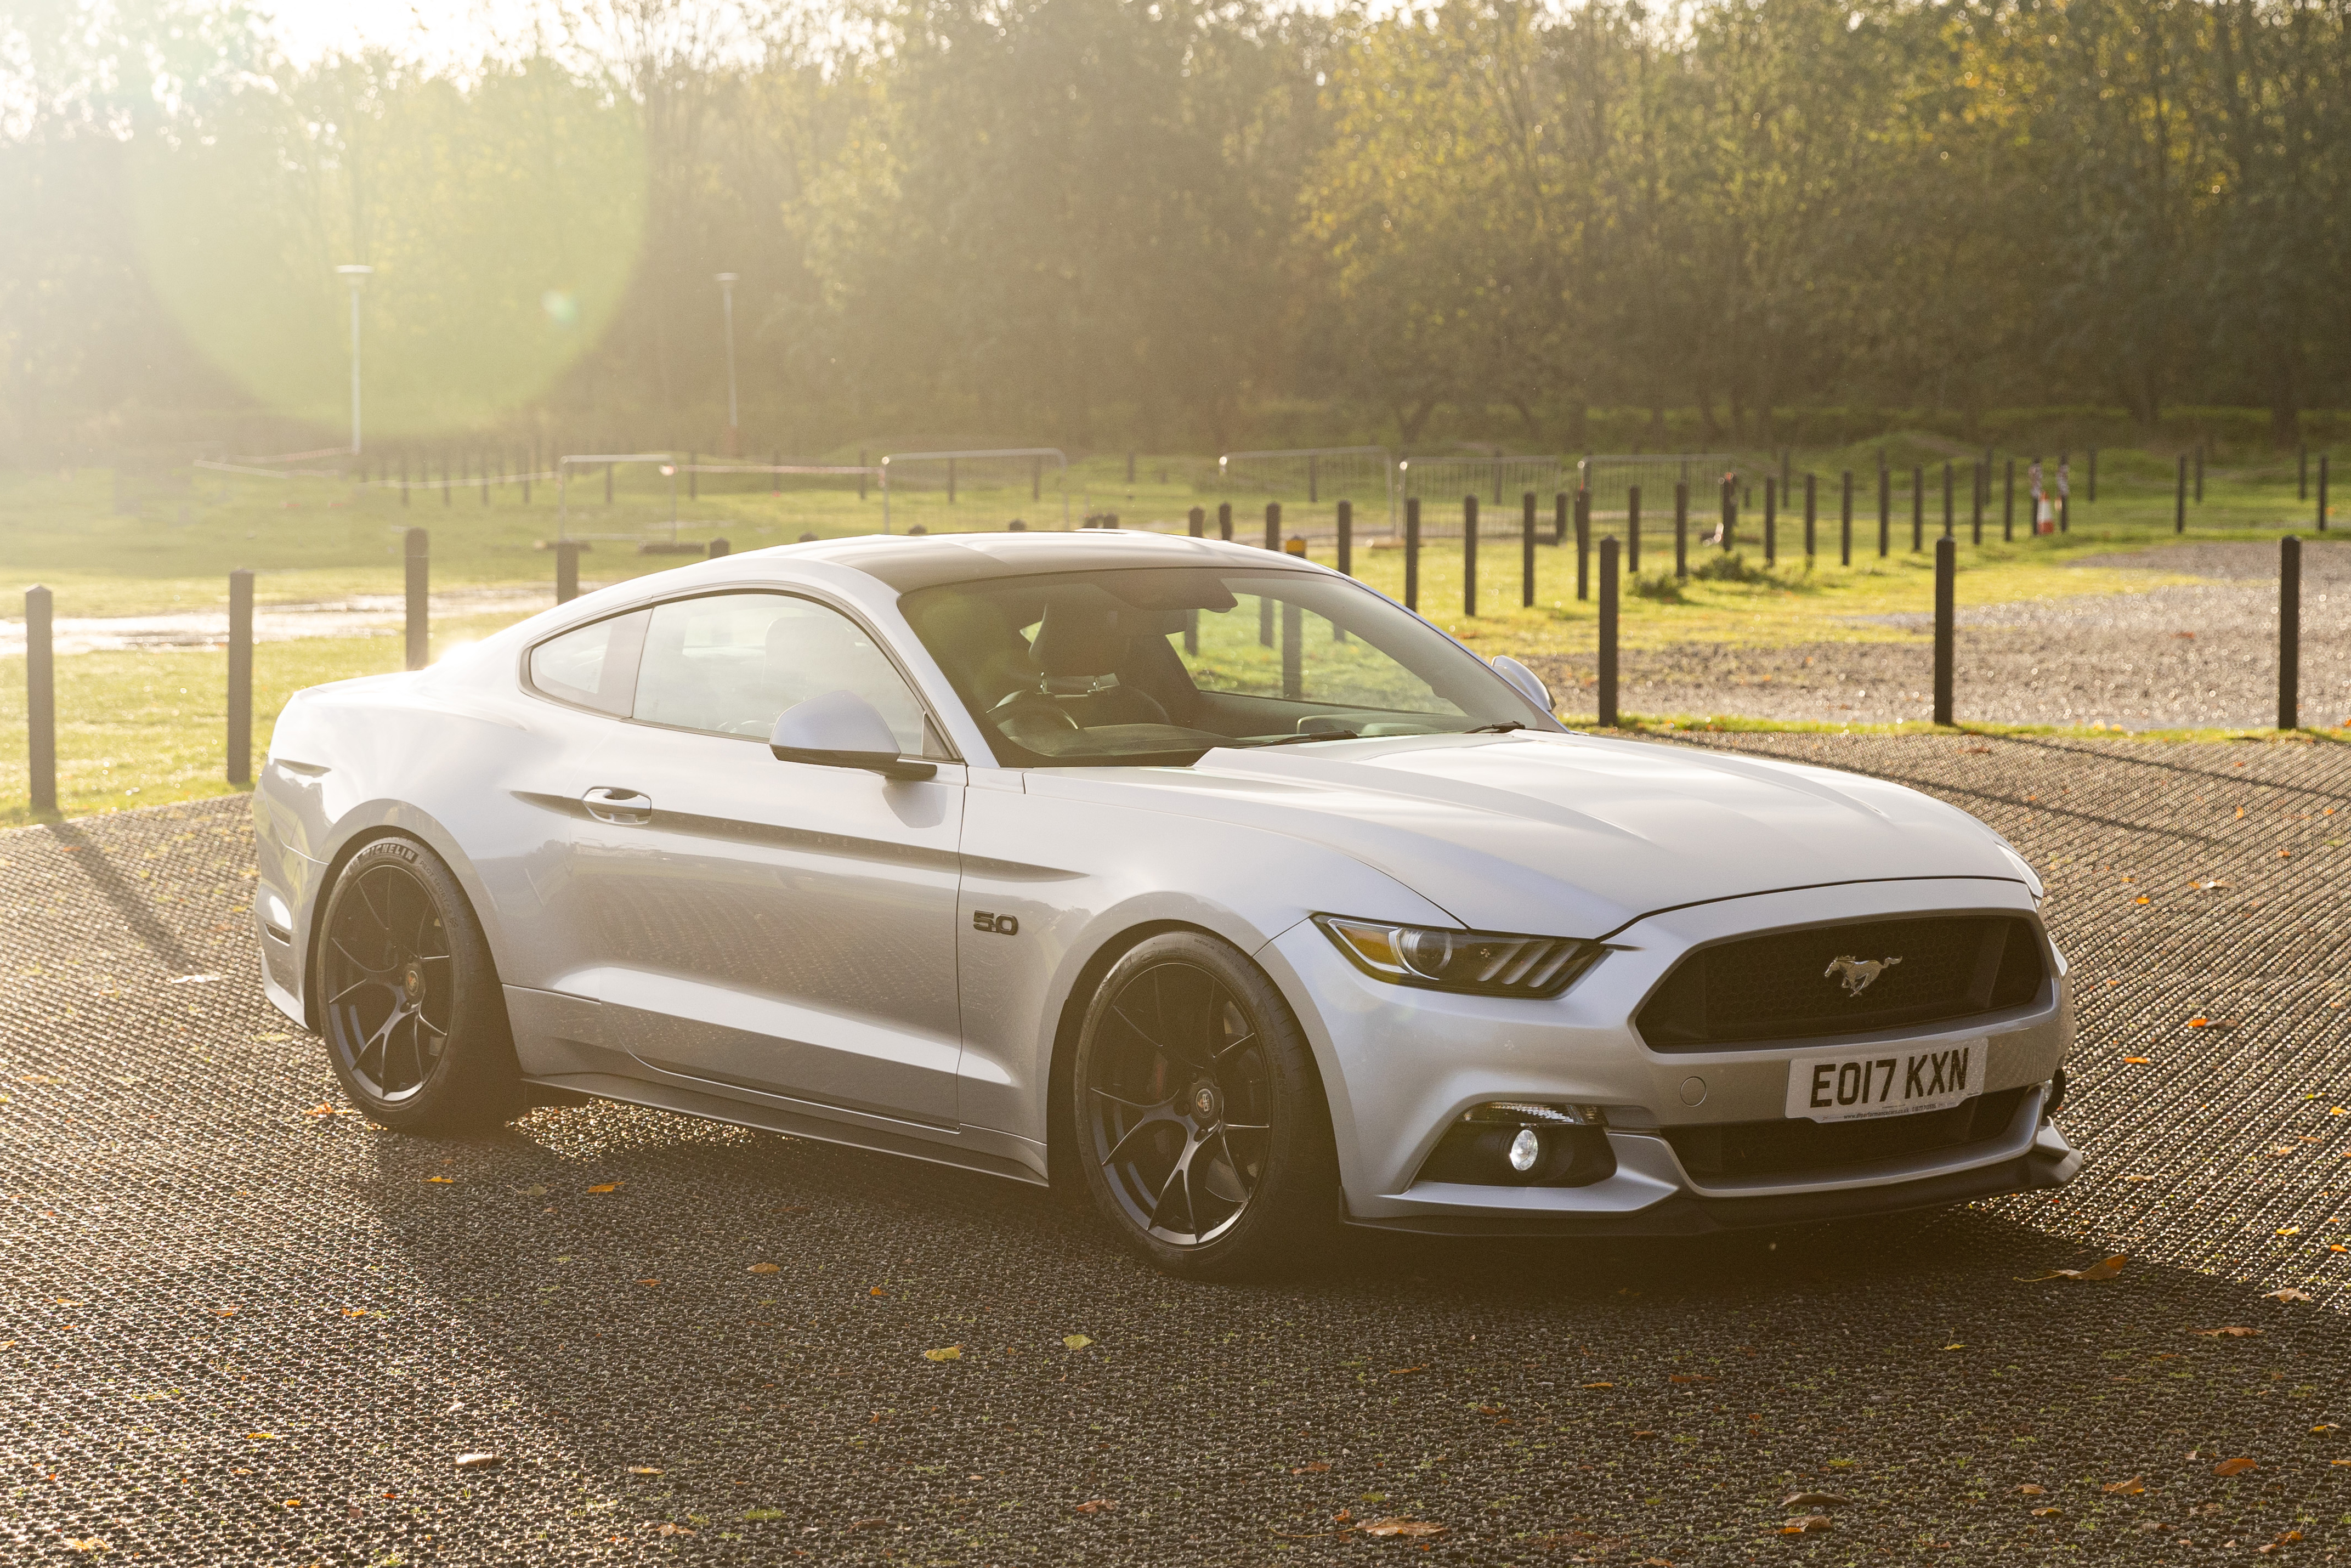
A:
[908,562]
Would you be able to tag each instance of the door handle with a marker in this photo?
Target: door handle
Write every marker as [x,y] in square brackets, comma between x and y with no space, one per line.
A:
[626,807]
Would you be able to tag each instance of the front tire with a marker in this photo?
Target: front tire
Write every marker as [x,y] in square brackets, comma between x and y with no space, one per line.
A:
[414,1018]
[1201,1127]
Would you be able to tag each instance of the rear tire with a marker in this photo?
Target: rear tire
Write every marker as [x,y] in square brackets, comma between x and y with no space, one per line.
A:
[410,1001]
[1201,1130]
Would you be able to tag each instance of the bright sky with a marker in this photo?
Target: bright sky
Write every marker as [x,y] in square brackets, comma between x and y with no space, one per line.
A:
[439,30]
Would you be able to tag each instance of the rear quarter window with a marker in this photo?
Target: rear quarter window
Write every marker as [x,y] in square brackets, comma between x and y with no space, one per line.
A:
[592,666]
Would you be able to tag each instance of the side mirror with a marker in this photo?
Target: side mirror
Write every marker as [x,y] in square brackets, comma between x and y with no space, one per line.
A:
[841,729]
[1530,684]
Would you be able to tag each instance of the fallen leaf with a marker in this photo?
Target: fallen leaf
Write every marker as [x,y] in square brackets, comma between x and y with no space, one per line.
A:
[89,1543]
[2326,1427]
[1401,1527]
[1689,1378]
[1807,1524]
[951,1353]
[1962,1345]
[537,1189]
[643,1470]
[1314,1466]
[325,1110]
[2029,1489]
[1076,1340]
[2198,1021]
[261,1436]
[1815,1501]
[2104,1269]
[877,1290]
[2232,1330]
[2138,1178]
[2288,1294]
[2140,1062]
[443,1181]
[2131,1488]
[2142,898]
[1645,1433]
[1404,1371]
[2236,1467]
[1098,1505]
[767,1268]
[608,1187]
[666,1528]
[2045,1513]
[479,1462]
[293,1503]
[2290,1230]
[1600,1385]
[223,1311]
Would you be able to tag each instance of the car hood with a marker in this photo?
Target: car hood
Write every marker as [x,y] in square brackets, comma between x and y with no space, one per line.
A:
[1571,835]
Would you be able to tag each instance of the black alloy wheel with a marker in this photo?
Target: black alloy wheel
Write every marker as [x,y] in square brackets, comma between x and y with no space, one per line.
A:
[414,1022]
[1199,1117]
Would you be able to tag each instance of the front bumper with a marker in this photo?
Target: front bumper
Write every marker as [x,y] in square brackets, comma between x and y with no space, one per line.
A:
[1401,1066]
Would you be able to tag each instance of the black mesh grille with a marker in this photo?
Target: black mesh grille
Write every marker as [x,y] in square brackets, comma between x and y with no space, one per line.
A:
[1844,979]
[1734,1149]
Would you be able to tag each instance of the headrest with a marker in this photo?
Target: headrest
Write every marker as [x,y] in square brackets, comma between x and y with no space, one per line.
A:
[1082,640]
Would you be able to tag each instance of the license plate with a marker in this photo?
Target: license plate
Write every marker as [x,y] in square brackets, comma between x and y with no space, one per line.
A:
[1852,1086]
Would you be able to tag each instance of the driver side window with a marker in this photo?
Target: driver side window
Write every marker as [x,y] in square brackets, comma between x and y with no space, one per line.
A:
[728,663]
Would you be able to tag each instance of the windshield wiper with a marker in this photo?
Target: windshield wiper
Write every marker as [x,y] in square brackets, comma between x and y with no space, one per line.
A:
[1302,739]
[1504,727]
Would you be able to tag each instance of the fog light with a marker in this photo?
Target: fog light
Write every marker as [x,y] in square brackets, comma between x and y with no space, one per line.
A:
[1525,1150]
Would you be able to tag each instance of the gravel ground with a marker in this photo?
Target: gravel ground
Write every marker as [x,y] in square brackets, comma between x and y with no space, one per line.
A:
[239,1327]
[2184,656]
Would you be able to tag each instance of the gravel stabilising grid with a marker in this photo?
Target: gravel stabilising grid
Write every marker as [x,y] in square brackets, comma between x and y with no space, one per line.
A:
[2185,656]
[235,1329]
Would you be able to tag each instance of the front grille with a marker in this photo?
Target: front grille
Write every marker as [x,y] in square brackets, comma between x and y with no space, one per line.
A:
[1736,1149]
[1845,979]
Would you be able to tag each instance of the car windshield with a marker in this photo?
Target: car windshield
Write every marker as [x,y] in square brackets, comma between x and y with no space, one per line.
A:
[1160,665]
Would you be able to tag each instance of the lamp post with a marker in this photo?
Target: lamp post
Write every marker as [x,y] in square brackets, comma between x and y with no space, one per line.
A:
[355,274]
[727,303]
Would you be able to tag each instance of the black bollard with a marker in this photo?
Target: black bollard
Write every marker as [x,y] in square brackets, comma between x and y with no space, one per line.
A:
[1812,517]
[2008,504]
[1681,531]
[40,700]
[2322,492]
[1559,518]
[1583,545]
[2289,633]
[1844,522]
[1412,552]
[1526,551]
[1608,634]
[719,547]
[1885,511]
[1948,519]
[1198,520]
[1470,555]
[1346,538]
[1771,519]
[2179,495]
[240,677]
[419,579]
[1917,506]
[1946,569]
[566,570]
[1224,520]
[1264,603]
[1633,529]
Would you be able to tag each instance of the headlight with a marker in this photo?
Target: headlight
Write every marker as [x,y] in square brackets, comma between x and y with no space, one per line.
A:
[1482,962]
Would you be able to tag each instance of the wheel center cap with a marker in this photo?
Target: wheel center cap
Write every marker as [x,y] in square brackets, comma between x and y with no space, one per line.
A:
[1208,1105]
[412,983]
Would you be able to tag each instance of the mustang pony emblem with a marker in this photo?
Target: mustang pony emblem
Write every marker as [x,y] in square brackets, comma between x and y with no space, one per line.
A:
[1857,973]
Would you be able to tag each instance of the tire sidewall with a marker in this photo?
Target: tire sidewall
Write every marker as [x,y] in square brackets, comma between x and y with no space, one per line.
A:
[1298,1196]
[474,1080]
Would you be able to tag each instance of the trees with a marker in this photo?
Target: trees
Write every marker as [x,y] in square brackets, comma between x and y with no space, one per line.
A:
[1094,221]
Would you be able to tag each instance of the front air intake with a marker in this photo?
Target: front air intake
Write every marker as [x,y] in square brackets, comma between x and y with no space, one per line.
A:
[1859,978]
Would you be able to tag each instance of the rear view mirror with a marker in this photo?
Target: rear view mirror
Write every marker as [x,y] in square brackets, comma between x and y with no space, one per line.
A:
[841,729]
[1530,684]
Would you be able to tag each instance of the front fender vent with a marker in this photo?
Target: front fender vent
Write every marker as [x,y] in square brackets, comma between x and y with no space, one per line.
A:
[1857,978]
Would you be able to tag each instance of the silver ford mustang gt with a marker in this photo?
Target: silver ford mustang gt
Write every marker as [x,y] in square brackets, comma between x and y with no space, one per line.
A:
[1197,880]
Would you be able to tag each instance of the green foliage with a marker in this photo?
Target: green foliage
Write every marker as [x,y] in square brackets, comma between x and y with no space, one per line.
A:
[1661,586]
[1741,224]
[1728,566]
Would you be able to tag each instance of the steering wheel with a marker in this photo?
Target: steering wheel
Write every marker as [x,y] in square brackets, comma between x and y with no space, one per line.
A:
[1025,704]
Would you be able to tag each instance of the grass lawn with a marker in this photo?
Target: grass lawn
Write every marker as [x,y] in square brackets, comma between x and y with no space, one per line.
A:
[137,728]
